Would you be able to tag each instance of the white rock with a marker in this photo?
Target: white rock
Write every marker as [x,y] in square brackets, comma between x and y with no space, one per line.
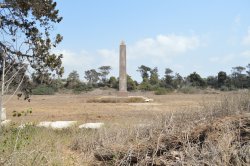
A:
[62,124]
[57,124]
[91,125]
[5,122]
[3,115]
[44,124]
[148,100]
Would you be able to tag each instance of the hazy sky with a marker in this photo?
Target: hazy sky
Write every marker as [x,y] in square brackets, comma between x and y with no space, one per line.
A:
[205,36]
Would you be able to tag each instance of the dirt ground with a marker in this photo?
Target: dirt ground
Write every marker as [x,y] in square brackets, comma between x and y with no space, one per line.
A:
[76,107]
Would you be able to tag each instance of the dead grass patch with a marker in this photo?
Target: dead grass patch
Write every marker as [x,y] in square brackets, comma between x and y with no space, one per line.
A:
[130,99]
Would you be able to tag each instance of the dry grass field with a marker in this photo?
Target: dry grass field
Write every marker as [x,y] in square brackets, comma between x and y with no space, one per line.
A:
[76,107]
[175,129]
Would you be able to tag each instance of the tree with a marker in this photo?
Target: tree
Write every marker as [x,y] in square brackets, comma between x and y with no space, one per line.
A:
[154,76]
[144,72]
[92,76]
[104,71]
[41,78]
[212,81]
[238,77]
[222,77]
[25,28]
[196,80]
[73,79]
[248,71]
[177,81]
[130,83]
[168,78]
[113,82]
[248,75]
[26,39]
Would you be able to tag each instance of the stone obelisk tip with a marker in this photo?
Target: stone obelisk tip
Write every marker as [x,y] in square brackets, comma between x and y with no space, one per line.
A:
[123,42]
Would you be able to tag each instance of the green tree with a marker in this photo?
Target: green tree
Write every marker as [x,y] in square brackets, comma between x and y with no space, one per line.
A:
[144,72]
[92,76]
[154,76]
[212,81]
[248,71]
[196,80]
[177,81]
[113,82]
[40,77]
[222,77]
[131,85]
[238,77]
[248,75]
[73,80]
[104,72]
[168,78]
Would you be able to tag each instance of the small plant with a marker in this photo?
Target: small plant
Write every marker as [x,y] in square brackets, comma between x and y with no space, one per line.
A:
[82,88]
[224,88]
[43,90]
[23,113]
[188,90]
[162,91]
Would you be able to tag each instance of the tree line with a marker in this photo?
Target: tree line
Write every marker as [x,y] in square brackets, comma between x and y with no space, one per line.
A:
[239,78]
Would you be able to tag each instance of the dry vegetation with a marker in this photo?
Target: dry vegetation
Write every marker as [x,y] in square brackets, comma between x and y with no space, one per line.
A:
[198,129]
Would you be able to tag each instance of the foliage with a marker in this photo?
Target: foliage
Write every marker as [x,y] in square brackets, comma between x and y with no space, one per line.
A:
[188,90]
[26,36]
[113,82]
[162,91]
[177,81]
[43,90]
[145,86]
[154,76]
[73,80]
[196,80]
[212,81]
[81,87]
[222,77]
[92,76]
[130,84]
[23,113]
[168,78]
[104,71]
[144,72]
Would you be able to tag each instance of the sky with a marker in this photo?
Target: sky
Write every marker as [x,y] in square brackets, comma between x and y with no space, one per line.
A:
[206,36]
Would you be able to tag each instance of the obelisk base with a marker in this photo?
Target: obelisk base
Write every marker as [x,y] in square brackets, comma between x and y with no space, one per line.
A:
[122,94]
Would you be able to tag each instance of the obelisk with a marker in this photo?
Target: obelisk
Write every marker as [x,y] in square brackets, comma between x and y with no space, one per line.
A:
[122,72]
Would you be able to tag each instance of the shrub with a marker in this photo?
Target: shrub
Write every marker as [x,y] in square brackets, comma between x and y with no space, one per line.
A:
[82,88]
[188,90]
[224,88]
[162,91]
[145,86]
[43,90]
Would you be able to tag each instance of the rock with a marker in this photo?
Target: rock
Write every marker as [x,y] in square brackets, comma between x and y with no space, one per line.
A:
[91,125]
[44,124]
[148,100]
[62,124]
[57,124]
